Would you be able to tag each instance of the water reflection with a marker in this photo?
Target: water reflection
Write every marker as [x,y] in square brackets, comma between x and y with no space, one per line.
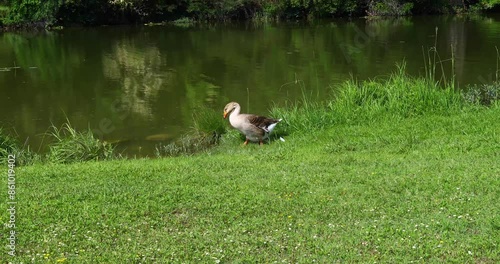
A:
[140,85]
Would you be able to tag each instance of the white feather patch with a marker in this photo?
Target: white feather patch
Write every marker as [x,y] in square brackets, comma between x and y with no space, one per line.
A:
[271,127]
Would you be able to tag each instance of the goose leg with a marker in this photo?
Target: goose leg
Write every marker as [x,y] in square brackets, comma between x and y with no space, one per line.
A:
[261,143]
[246,142]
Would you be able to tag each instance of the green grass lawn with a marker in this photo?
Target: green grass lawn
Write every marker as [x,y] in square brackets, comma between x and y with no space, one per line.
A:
[420,189]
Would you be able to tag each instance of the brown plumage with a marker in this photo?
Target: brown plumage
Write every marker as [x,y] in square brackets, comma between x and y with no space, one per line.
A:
[255,128]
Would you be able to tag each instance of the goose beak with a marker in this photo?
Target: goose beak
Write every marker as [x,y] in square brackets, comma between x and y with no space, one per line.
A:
[225,114]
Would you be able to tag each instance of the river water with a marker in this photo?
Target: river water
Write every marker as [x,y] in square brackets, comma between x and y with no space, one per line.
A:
[141,85]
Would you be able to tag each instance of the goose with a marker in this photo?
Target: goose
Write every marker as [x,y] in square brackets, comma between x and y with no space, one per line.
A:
[255,128]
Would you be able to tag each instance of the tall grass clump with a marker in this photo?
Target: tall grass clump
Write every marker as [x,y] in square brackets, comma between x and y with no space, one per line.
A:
[10,146]
[208,121]
[73,146]
[400,95]
[7,145]
[208,127]
[301,116]
[433,64]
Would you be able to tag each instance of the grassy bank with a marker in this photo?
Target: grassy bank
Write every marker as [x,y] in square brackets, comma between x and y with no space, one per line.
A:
[391,171]
[421,189]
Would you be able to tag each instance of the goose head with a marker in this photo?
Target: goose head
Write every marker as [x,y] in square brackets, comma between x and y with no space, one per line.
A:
[230,108]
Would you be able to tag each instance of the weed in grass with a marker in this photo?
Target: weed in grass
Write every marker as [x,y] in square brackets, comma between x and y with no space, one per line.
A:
[73,146]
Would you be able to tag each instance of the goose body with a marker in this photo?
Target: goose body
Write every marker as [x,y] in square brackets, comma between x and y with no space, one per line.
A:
[255,128]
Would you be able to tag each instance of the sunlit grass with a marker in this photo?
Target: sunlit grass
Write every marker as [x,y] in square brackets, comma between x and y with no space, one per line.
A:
[399,95]
[419,189]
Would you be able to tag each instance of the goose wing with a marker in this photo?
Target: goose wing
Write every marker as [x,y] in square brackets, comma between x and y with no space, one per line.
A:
[262,122]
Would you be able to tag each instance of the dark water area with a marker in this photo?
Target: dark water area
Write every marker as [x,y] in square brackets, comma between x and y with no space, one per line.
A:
[141,85]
